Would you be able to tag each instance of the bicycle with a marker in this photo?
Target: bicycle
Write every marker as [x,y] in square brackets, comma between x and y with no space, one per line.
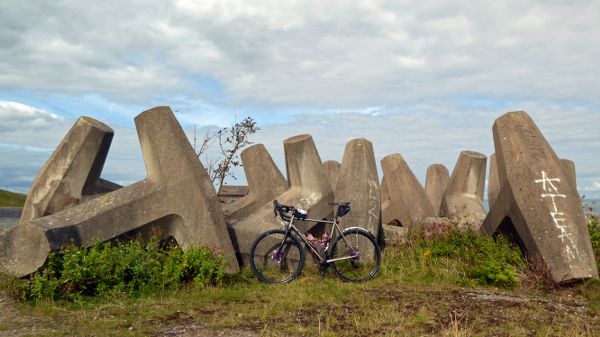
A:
[278,255]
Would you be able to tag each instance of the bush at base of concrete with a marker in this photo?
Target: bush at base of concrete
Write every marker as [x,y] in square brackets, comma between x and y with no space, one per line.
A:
[133,268]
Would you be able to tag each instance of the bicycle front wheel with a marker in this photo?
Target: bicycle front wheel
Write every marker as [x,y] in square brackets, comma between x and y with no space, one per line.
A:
[276,256]
[355,255]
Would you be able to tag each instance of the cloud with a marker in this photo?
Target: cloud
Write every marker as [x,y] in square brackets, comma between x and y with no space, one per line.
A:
[322,54]
[15,115]
[437,132]
[417,77]
[424,134]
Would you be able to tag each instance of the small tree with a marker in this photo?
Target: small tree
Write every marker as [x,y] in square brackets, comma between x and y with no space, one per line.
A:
[230,140]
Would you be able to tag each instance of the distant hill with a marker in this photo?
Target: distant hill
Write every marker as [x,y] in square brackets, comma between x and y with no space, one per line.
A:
[11,199]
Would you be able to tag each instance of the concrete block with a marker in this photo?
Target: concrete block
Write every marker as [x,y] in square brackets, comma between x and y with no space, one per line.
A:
[569,167]
[265,182]
[435,185]
[395,235]
[332,169]
[385,202]
[100,186]
[385,193]
[309,189]
[464,196]
[493,183]
[358,184]
[175,199]
[408,202]
[72,170]
[538,204]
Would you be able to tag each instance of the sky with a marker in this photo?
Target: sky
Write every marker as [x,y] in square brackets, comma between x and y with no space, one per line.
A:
[425,79]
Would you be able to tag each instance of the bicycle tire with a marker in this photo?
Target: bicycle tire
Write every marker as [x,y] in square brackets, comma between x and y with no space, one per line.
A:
[268,265]
[361,252]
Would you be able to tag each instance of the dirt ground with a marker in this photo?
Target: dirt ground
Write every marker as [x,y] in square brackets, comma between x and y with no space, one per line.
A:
[483,311]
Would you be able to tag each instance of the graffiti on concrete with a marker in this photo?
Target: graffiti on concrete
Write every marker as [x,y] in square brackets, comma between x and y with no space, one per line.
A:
[549,186]
[373,203]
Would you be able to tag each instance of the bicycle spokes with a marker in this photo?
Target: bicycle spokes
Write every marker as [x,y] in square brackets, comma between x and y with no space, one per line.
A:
[355,256]
[276,258]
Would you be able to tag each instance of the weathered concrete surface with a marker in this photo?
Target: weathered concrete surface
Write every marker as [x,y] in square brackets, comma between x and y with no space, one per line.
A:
[493,182]
[385,201]
[440,224]
[100,186]
[385,193]
[464,196]
[309,189]
[408,201]
[332,169]
[569,167]
[537,203]
[436,183]
[358,184]
[395,235]
[72,171]
[265,182]
[175,199]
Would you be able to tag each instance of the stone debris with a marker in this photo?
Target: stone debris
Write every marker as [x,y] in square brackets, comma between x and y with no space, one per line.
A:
[395,235]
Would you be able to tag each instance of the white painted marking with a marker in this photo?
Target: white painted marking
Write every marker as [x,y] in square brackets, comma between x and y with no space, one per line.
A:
[372,202]
[550,187]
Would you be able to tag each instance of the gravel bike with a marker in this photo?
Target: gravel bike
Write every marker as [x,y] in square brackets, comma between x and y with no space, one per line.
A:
[278,255]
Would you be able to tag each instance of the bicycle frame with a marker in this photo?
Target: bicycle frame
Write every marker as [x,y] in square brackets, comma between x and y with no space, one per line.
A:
[322,258]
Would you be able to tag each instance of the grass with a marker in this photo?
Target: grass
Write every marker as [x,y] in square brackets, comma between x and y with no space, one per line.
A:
[312,306]
[423,290]
[11,199]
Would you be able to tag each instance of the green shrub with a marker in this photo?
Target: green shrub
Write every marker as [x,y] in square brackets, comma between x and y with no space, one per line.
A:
[482,260]
[132,268]
[594,229]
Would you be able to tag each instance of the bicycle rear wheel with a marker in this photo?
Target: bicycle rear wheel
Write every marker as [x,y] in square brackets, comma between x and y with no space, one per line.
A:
[276,257]
[356,255]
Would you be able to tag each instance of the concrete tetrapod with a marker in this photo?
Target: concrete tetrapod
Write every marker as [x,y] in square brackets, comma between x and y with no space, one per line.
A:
[436,184]
[265,182]
[358,184]
[464,196]
[385,200]
[332,169]
[537,203]
[408,202]
[309,189]
[569,167]
[385,193]
[72,171]
[176,199]
[493,183]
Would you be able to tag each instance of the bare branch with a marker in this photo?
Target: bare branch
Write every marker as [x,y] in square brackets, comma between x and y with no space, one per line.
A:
[231,140]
